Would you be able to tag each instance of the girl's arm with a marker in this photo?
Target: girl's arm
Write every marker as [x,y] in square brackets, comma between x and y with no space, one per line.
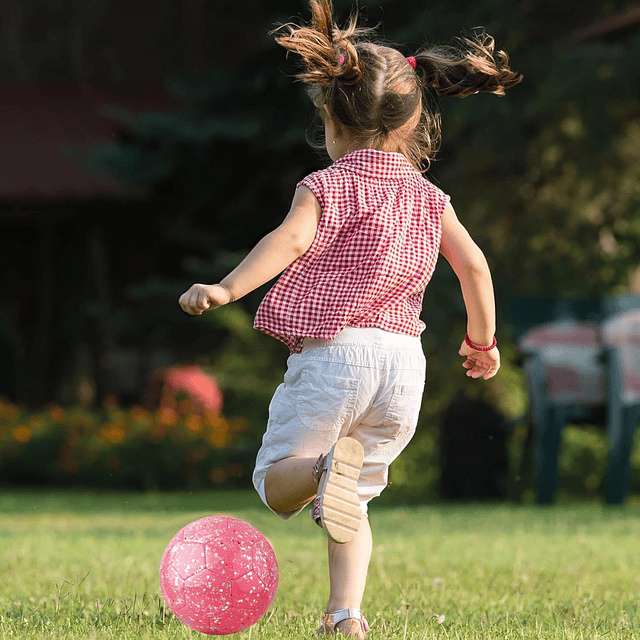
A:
[470,265]
[274,253]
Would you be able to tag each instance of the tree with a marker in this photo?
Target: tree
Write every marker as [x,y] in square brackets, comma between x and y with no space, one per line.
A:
[546,179]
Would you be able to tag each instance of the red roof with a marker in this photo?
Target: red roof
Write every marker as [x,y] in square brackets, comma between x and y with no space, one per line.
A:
[38,120]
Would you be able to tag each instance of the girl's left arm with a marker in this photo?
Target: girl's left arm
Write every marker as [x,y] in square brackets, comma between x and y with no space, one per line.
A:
[272,255]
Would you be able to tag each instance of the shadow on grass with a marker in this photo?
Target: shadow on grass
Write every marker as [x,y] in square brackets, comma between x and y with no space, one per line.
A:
[42,500]
[19,500]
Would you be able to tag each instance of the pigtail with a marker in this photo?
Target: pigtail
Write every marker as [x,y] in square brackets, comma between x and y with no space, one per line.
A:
[467,69]
[327,52]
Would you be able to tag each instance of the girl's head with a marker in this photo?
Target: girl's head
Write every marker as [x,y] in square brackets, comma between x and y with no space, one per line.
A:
[371,96]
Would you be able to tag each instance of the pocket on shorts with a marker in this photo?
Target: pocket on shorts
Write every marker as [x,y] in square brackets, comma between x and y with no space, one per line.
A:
[325,402]
[404,408]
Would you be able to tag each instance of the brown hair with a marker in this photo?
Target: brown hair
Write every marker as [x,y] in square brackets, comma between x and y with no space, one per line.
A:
[371,90]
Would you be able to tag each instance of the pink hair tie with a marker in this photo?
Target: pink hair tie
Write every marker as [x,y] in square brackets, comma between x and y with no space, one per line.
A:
[412,61]
[341,59]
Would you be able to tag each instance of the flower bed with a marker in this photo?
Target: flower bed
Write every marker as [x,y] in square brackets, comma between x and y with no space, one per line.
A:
[117,447]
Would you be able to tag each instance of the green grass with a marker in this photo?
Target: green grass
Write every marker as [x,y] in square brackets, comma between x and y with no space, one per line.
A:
[83,565]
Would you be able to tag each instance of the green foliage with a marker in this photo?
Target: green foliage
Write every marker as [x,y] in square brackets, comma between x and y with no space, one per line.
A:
[167,448]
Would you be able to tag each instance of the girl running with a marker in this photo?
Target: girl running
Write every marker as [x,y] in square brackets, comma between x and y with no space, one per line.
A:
[358,247]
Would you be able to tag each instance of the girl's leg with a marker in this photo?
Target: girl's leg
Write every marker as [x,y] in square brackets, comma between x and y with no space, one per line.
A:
[289,484]
[348,566]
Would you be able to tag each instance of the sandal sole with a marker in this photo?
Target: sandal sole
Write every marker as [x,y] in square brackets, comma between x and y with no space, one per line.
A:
[339,505]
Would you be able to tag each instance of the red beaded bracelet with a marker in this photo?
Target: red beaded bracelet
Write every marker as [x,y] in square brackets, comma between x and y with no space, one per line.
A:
[473,346]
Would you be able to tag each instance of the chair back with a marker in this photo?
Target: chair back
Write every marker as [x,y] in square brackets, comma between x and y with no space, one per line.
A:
[570,353]
[564,334]
[621,332]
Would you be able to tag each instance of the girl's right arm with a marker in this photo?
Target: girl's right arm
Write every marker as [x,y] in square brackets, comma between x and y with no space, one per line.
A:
[274,253]
[470,265]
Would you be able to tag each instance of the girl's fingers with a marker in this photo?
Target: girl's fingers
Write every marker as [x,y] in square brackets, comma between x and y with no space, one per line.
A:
[480,364]
[194,303]
[477,369]
[492,372]
[195,300]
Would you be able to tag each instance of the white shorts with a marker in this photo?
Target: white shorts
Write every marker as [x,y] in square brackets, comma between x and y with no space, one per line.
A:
[366,384]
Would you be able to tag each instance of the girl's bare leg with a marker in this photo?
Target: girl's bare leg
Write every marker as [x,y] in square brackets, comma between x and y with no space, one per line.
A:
[289,484]
[348,566]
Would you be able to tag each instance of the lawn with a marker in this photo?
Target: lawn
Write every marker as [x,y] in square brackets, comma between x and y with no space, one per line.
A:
[84,565]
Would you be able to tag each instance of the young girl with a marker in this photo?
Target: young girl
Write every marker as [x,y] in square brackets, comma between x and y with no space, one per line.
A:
[359,246]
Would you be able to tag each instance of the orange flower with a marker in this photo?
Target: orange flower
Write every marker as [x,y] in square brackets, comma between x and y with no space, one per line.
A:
[9,412]
[218,435]
[113,433]
[194,424]
[22,434]
[138,414]
[57,414]
[168,417]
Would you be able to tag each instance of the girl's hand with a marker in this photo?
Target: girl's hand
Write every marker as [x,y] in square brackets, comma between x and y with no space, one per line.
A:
[201,297]
[480,363]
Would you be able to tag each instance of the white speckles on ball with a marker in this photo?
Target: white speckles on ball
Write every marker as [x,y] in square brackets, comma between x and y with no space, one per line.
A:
[219,575]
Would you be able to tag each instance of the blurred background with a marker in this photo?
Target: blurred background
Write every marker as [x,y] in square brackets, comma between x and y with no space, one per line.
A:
[147,148]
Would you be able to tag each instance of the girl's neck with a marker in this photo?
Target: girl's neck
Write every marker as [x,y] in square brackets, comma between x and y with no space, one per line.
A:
[339,150]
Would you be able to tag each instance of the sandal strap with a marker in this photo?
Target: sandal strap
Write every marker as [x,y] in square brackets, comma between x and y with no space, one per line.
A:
[315,512]
[319,466]
[332,619]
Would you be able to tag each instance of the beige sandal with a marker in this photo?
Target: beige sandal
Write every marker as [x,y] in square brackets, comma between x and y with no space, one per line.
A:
[337,507]
[358,626]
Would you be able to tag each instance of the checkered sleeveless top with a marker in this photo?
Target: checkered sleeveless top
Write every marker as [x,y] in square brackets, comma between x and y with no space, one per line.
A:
[374,252]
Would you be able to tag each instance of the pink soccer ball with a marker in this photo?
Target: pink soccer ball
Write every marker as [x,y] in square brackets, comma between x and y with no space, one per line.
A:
[219,575]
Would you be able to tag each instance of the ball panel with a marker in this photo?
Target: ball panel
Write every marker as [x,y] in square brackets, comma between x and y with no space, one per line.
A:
[206,529]
[187,558]
[243,532]
[216,557]
[240,621]
[248,592]
[171,587]
[264,561]
[241,562]
[207,593]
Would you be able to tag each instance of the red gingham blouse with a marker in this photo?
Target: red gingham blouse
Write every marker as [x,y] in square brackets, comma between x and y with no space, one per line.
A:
[374,252]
